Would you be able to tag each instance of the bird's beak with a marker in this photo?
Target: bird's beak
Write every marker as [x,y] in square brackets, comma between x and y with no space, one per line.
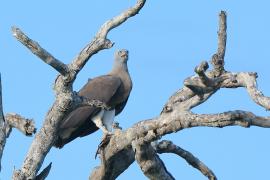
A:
[125,54]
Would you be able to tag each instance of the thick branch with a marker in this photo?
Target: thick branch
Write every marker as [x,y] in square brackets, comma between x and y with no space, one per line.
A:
[176,114]
[168,147]
[44,139]
[65,98]
[26,126]
[36,49]
[166,123]
[150,163]
[230,118]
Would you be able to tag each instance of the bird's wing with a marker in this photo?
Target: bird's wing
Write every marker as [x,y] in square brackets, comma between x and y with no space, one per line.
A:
[119,108]
[101,88]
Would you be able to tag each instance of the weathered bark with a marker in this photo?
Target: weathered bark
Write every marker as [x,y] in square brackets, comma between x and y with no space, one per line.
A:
[168,147]
[150,163]
[176,114]
[66,99]
[136,142]
[26,126]
[2,126]
[39,51]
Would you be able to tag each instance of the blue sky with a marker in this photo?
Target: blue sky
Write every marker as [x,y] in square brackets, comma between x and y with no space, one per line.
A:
[166,40]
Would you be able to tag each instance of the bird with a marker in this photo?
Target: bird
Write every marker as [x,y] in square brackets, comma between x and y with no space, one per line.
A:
[113,89]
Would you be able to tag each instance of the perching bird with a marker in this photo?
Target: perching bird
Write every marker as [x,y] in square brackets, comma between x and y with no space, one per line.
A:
[112,89]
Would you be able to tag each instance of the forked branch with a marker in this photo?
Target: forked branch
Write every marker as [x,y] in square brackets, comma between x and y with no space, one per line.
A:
[66,99]
[176,115]
[150,163]
[134,143]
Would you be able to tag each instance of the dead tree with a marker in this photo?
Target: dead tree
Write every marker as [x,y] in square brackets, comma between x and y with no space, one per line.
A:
[140,142]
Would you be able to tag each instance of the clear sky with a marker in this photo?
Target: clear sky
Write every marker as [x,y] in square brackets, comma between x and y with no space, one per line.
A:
[166,40]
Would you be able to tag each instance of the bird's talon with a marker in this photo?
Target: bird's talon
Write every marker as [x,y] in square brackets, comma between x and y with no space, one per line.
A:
[104,142]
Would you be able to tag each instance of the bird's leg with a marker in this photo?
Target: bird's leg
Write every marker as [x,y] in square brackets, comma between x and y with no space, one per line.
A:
[104,121]
[99,124]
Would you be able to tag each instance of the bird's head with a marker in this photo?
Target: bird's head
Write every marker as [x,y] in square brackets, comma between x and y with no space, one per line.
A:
[121,56]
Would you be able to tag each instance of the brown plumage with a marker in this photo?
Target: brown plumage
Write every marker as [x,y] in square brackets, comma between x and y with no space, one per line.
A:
[112,89]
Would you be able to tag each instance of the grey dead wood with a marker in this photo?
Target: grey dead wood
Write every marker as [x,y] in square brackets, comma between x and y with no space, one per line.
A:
[150,163]
[134,143]
[26,126]
[168,147]
[3,134]
[65,99]
[39,51]
[176,115]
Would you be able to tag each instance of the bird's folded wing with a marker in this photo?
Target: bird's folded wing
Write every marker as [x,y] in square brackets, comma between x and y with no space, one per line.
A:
[102,88]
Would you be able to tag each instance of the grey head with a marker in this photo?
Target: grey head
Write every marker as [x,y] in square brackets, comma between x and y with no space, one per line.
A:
[121,56]
[120,61]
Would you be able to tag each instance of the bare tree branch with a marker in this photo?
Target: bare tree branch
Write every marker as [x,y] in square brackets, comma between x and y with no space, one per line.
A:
[118,20]
[200,70]
[222,35]
[218,59]
[249,81]
[2,126]
[100,41]
[8,122]
[150,163]
[176,115]
[65,97]
[36,49]
[168,147]
[230,118]
[26,126]
[166,123]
